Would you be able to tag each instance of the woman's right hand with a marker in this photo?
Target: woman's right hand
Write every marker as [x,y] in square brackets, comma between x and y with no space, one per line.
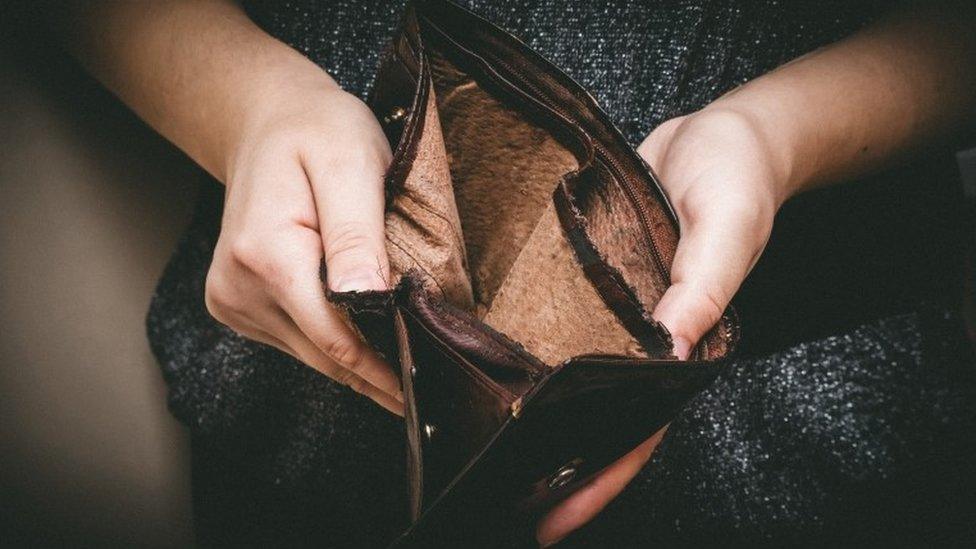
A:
[305,181]
[302,160]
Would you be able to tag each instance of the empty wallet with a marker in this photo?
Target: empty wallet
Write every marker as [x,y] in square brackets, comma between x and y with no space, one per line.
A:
[528,243]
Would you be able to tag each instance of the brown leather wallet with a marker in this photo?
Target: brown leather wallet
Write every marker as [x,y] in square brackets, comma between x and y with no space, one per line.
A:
[528,244]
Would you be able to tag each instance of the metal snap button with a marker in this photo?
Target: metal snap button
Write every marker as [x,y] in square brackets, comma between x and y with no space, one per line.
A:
[396,114]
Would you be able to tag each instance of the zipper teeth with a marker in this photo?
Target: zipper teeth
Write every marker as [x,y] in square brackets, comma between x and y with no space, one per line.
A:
[641,213]
[626,183]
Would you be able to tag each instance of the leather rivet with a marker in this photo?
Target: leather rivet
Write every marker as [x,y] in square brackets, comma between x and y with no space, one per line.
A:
[396,115]
[517,408]
[429,430]
[563,476]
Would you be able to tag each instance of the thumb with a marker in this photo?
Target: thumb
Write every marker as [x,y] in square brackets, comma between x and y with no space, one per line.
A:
[349,202]
[714,255]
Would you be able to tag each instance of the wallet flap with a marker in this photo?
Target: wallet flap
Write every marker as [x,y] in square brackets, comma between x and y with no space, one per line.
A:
[582,417]
[454,406]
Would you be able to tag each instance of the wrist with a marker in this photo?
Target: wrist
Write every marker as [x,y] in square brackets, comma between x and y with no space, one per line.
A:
[277,106]
[741,136]
[776,136]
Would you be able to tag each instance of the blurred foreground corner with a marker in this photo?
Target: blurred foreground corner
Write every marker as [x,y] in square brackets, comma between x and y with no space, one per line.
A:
[92,204]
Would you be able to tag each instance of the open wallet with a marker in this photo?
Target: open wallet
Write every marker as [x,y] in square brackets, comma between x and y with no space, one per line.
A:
[528,243]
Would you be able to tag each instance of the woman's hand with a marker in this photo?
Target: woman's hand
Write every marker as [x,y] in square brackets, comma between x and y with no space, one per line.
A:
[725,184]
[723,181]
[304,182]
[303,162]
[832,115]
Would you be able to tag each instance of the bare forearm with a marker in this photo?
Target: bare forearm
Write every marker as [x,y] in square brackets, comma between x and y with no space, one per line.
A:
[303,162]
[861,103]
[199,71]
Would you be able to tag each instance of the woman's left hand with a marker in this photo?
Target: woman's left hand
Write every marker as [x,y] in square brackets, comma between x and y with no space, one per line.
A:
[839,112]
[724,183]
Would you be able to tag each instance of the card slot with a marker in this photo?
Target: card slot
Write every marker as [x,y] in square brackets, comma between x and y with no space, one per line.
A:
[422,216]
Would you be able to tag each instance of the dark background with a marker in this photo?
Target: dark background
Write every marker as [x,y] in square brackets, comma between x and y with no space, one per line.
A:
[91,205]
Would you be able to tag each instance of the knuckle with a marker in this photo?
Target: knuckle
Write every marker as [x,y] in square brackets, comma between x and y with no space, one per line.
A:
[268,262]
[216,297]
[357,384]
[341,376]
[247,251]
[346,351]
[346,378]
[713,304]
[349,239]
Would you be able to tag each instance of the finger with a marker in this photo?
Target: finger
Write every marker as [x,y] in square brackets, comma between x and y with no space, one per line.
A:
[714,255]
[319,322]
[581,507]
[250,330]
[309,353]
[349,201]
[298,290]
[299,346]
[305,351]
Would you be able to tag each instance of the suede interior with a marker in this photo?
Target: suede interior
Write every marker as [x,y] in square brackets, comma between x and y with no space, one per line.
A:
[423,231]
[475,216]
[504,170]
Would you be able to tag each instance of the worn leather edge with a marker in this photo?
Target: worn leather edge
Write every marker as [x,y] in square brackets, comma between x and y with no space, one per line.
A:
[563,129]
[369,314]
[490,44]
[501,358]
[501,43]
[406,151]
[429,385]
[404,67]
[608,281]
[415,456]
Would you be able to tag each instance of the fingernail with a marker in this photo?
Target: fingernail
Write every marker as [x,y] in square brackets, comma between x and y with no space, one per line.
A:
[359,282]
[682,347]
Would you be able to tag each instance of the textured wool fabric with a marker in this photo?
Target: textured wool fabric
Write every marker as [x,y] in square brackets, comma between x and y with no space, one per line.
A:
[847,416]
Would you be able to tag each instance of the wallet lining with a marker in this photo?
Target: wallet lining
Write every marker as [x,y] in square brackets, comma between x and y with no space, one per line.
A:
[475,214]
